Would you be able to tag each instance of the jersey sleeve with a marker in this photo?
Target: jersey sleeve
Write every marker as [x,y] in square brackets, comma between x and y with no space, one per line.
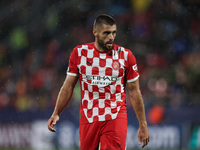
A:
[72,67]
[132,73]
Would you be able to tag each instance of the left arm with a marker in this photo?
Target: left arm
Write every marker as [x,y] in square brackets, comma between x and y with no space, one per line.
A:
[138,105]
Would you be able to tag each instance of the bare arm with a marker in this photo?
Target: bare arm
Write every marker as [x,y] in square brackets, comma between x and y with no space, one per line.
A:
[138,105]
[63,99]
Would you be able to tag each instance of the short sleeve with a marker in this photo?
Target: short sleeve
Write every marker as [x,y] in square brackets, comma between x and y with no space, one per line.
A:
[132,73]
[72,67]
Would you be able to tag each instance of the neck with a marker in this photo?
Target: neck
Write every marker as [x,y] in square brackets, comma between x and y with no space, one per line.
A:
[98,47]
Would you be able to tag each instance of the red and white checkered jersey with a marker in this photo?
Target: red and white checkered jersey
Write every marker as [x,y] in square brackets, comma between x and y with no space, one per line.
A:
[102,78]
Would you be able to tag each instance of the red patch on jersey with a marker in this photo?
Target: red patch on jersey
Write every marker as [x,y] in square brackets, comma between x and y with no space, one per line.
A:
[113,110]
[96,118]
[115,65]
[121,72]
[102,62]
[95,71]
[108,72]
[83,69]
[84,52]
[95,103]
[102,95]
[85,86]
[89,113]
[113,97]
[85,104]
[90,95]
[107,103]
[95,88]
[118,88]
[108,117]
[101,111]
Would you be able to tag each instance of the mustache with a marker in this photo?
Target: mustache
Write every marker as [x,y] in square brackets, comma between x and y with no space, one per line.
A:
[110,42]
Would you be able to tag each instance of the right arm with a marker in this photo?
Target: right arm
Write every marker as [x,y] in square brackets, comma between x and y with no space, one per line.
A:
[63,99]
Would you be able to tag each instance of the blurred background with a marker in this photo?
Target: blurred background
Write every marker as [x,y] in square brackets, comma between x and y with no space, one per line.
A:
[37,37]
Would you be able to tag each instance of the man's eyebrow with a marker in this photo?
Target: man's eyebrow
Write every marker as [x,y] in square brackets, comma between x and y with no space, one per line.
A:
[107,32]
[110,31]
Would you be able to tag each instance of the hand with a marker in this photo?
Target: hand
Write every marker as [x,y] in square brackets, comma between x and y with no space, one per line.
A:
[143,135]
[52,122]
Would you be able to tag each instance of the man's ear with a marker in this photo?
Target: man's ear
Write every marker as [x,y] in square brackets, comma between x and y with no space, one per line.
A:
[95,32]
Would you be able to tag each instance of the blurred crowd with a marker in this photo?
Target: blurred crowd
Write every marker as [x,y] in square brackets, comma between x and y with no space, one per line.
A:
[36,38]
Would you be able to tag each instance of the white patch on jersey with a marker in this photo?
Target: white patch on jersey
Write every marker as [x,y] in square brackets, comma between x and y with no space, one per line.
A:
[101,90]
[102,56]
[107,110]
[109,62]
[90,88]
[118,97]
[86,96]
[101,103]
[95,95]
[83,61]
[121,61]
[107,95]
[95,111]
[112,89]
[95,62]
[90,53]
[113,104]
[90,104]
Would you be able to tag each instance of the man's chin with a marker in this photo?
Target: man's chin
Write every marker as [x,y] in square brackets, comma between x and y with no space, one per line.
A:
[109,46]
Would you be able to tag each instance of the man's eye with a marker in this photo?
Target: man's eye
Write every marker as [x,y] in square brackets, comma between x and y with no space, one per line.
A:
[106,32]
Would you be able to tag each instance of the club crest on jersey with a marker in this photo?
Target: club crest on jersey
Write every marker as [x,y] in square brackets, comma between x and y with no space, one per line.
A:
[115,65]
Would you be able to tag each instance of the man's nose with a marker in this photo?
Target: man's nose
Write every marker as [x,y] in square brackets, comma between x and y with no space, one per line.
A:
[111,36]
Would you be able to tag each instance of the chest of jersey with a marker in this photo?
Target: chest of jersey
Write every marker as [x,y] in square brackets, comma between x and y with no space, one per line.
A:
[101,68]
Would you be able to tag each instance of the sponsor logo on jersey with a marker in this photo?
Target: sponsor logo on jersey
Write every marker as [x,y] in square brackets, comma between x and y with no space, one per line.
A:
[90,63]
[100,80]
[135,68]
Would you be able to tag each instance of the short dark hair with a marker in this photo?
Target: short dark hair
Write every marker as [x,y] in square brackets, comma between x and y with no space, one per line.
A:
[104,19]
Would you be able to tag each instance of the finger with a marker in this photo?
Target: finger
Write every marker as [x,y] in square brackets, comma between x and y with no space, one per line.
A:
[148,139]
[140,140]
[51,129]
[144,143]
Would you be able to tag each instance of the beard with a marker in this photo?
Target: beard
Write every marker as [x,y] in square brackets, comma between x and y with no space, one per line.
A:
[102,44]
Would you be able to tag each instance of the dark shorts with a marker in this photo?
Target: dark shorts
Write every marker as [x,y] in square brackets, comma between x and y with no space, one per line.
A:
[109,135]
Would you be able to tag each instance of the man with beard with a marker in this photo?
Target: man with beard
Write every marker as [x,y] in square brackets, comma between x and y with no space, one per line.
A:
[103,69]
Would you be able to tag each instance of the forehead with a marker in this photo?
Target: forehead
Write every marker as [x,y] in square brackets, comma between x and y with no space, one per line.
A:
[105,27]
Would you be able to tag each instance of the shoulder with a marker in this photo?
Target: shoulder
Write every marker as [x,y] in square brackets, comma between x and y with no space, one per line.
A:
[83,48]
[121,48]
[126,52]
